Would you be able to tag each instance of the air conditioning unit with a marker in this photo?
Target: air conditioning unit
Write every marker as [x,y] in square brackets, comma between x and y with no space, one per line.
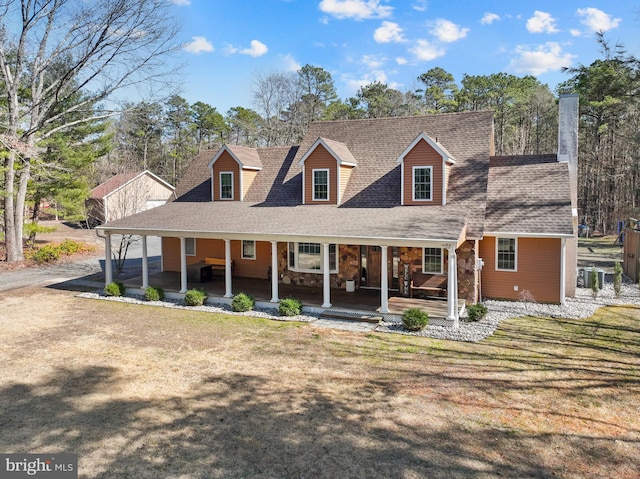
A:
[584,277]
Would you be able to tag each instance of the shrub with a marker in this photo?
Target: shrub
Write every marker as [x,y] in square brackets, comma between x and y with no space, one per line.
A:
[415,319]
[477,311]
[290,307]
[195,297]
[69,247]
[242,302]
[154,294]
[595,286]
[114,289]
[617,279]
[46,254]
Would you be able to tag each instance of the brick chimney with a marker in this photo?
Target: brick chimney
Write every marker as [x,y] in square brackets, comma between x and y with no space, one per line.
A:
[568,153]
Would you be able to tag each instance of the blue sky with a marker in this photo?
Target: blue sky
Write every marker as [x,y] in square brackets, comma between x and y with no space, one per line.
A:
[228,43]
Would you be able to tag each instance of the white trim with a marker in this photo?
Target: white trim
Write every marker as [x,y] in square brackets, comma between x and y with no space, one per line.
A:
[303,186]
[515,254]
[313,184]
[236,159]
[255,254]
[441,150]
[444,183]
[241,184]
[511,234]
[402,185]
[315,271]
[220,185]
[213,187]
[338,187]
[441,260]
[413,183]
[145,172]
[320,141]
[563,270]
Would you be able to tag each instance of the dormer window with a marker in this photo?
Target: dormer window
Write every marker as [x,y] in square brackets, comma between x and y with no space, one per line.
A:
[422,183]
[226,185]
[321,184]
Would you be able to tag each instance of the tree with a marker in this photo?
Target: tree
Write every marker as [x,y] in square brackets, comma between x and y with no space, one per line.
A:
[439,90]
[178,116]
[317,93]
[208,124]
[275,96]
[379,101]
[244,125]
[53,50]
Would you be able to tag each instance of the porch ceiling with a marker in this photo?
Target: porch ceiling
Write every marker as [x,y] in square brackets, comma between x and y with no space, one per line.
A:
[398,226]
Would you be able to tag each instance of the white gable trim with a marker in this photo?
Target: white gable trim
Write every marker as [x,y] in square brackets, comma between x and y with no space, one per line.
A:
[320,141]
[145,172]
[441,150]
[237,160]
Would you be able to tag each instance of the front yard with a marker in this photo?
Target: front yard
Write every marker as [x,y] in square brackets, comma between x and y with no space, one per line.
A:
[146,392]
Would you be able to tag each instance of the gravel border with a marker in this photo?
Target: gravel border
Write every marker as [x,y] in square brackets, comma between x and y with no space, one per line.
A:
[582,305]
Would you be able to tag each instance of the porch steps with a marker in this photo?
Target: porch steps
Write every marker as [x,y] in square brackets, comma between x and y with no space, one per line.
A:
[360,316]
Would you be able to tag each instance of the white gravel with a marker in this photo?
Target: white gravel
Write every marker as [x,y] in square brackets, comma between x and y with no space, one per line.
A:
[582,306]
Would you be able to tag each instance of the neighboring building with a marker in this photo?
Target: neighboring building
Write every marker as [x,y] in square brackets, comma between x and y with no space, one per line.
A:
[387,203]
[126,194]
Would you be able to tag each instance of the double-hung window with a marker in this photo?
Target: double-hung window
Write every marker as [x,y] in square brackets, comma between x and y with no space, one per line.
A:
[248,249]
[432,260]
[506,254]
[190,246]
[308,257]
[422,183]
[320,185]
[226,185]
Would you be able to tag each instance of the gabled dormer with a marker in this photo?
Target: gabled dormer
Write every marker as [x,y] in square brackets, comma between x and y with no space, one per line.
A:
[326,169]
[233,170]
[425,168]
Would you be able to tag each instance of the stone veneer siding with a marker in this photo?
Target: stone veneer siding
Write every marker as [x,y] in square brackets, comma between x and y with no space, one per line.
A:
[348,257]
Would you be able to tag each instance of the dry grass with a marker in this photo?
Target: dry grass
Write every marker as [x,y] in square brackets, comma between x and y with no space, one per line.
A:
[145,392]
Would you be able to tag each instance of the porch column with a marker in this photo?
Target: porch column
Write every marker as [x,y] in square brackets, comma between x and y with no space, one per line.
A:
[274,272]
[108,271]
[326,278]
[384,280]
[145,264]
[183,265]
[452,286]
[563,270]
[227,269]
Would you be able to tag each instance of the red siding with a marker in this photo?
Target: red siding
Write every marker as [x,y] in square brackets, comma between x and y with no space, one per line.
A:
[423,155]
[538,270]
[226,163]
[320,158]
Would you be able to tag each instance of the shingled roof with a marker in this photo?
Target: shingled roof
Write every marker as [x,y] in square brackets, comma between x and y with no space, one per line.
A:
[112,184]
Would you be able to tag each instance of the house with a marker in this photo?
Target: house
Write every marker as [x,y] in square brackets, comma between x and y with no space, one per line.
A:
[411,205]
[126,194]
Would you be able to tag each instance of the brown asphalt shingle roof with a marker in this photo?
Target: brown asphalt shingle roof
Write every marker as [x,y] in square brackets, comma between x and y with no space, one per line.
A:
[112,184]
[247,156]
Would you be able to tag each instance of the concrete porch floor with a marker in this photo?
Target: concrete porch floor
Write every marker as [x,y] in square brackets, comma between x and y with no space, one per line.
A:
[260,289]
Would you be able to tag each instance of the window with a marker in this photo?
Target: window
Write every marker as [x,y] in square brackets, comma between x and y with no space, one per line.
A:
[248,249]
[432,260]
[422,183]
[506,254]
[226,185]
[308,257]
[321,185]
[190,244]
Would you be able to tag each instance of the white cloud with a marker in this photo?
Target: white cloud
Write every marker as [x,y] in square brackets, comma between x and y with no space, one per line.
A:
[401,61]
[542,59]
[425,51]
[356,9]
[488,18]
[420,6]
[198,45]
[597,20]
[373,62]
[230,49]
[257,49]
[374,76]
[181,3]
[388,32]
[290,63]
[447,31]
[541,22]
[575,32]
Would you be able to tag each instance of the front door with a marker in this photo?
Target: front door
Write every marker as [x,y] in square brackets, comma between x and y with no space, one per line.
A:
[374,266]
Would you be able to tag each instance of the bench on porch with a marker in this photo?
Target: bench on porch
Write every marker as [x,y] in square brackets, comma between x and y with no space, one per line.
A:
[217,264]
[433,284]
[203,271]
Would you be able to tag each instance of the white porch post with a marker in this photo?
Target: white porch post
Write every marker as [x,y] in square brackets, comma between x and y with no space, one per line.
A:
[227,269]
[563,270]
[108,271]
[452,288]
[384,280]
[274,272]
[326,278]
[183,265]
[145,263]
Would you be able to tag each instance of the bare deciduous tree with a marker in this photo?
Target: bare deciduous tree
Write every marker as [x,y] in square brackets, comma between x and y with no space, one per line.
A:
[53,50]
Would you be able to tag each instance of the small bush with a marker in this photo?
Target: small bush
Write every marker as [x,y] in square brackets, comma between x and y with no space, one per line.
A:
[69,247]
[154,294]
[617,279]
[595,285]
[415,319]
[242,302]
[290,307]
[46,254]
[195,297]
[477,311]
[114,289]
